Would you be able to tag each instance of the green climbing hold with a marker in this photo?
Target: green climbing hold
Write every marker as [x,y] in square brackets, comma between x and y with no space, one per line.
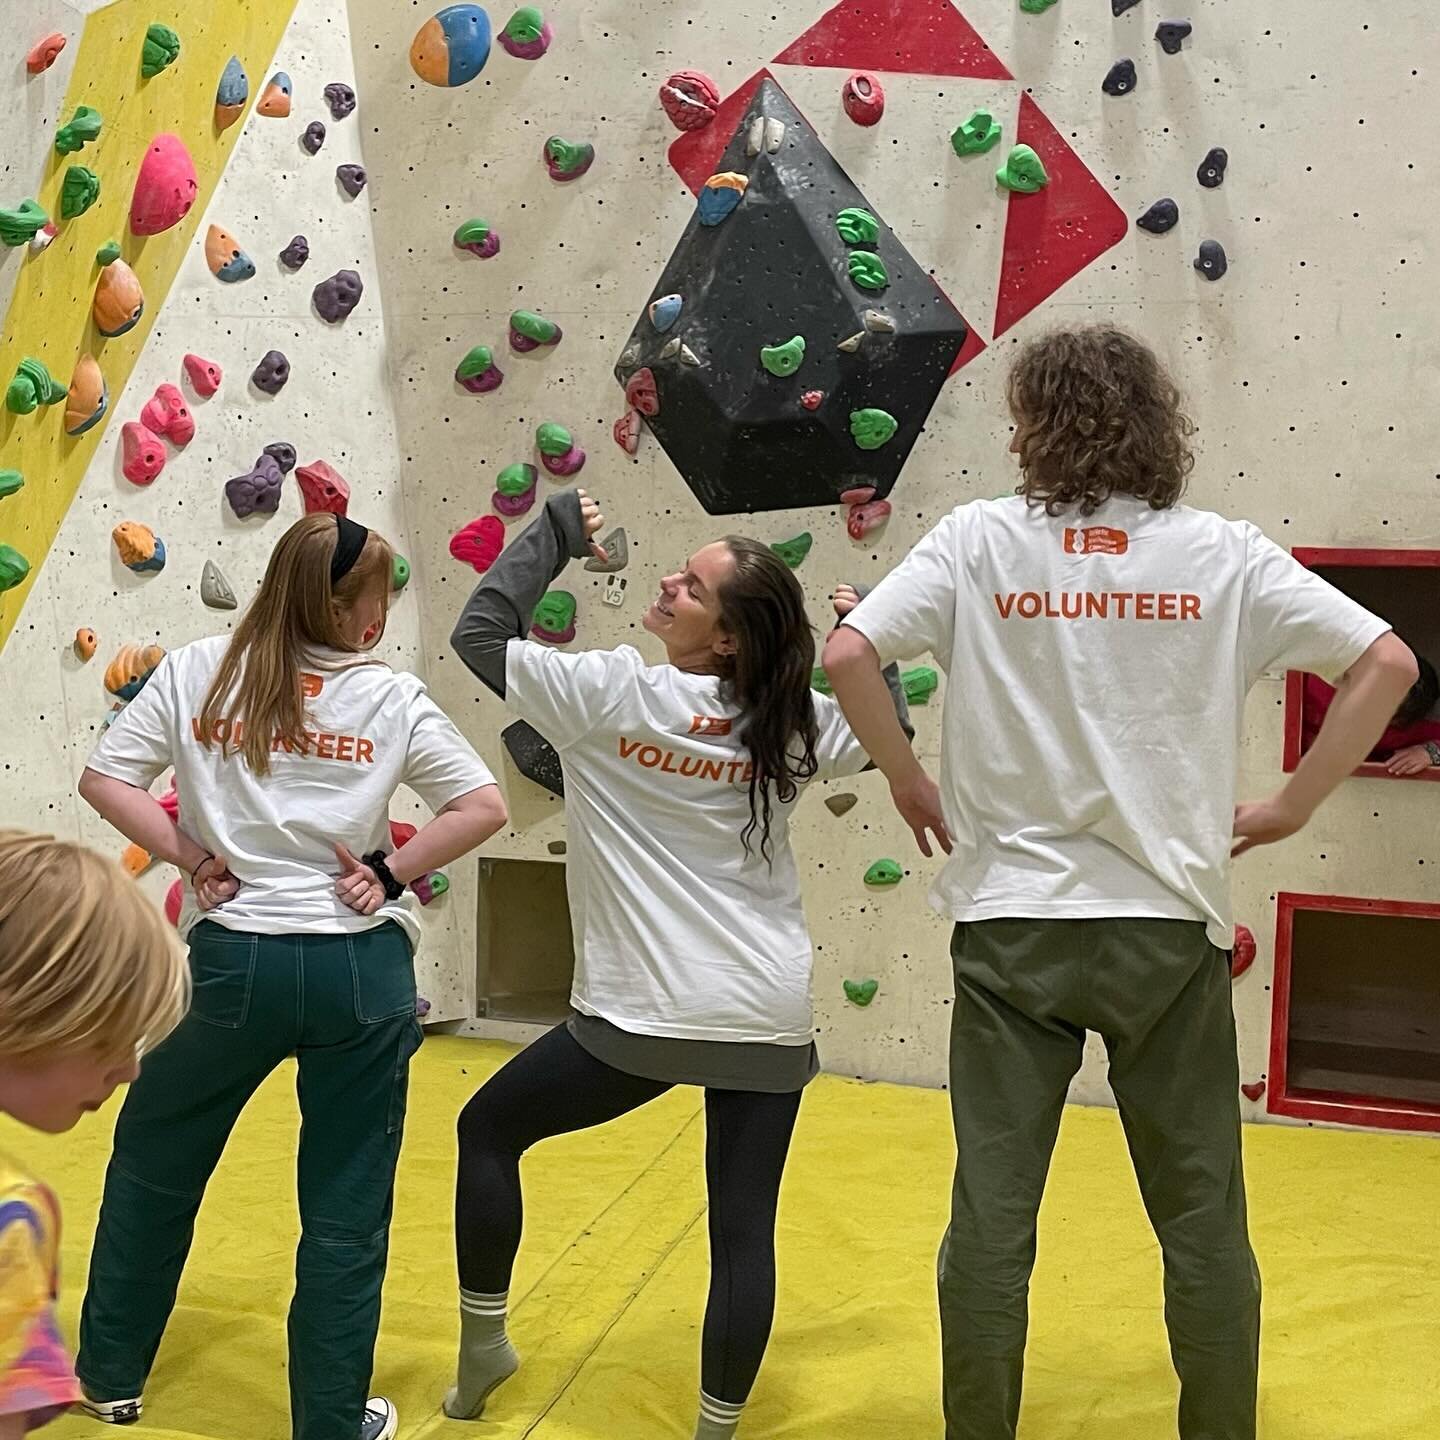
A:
[793,552]
[868,270]
[861,992]
[786,359]
[526,26]
[533,327]
[884,872]
[399,572]
[84,128]
[10,482]
[1036,7]
[1024,171]
[919,684]
[871,429]
[517,479]
[161,50]
[108,253]
[553,439]
[31,388]
[79,192]
[476,362]
[555,614]
[981,132]
[820,681]
[19,227]
[14,567]
[857,226]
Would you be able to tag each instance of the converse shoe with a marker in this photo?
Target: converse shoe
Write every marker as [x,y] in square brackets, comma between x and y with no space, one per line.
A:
[112,1412]
[380,1421]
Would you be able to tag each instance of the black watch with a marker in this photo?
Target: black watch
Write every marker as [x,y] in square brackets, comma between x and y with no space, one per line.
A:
[376,861]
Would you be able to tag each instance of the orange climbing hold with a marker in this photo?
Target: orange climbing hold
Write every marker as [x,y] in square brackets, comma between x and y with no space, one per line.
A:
[86,642]
[45,53]
[135,860]
[126,674]
[119,300]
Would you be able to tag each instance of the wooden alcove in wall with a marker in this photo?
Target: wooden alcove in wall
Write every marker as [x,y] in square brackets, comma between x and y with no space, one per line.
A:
[525,952]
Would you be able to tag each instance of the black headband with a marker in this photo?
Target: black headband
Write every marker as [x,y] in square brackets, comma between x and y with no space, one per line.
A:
[348,545]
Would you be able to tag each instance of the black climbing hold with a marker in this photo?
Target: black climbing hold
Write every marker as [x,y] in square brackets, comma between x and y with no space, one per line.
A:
[741,440]
[1119,7]
[1122,78]
[840,804]
[1211,261]
[1172,34]
[1211,173]
[1163,215]
[534,756]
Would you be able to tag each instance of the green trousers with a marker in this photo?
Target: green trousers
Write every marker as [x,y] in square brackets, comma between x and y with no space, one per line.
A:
[344,1005]
[1158,992]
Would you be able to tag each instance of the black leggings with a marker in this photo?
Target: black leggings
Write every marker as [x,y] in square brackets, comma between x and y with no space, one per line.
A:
[556,1086]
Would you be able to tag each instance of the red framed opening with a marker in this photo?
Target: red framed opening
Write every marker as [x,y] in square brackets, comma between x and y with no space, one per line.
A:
[1401,586]
[1355,1029]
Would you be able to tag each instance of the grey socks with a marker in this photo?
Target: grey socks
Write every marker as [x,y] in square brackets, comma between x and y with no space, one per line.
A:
[487,1358]
[718,1420]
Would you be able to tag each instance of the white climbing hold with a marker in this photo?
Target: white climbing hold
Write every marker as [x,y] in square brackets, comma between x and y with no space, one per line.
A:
[851,345]
[755,139]
[629,355]
[880,321]
[215,589]
[774,135]
[670,349]
[688,356]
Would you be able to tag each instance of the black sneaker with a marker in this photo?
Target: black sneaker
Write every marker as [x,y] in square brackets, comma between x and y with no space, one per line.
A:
[380,1421]
[112,1412]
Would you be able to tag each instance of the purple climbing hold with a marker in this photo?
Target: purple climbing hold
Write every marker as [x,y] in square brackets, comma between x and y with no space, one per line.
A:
[336,297]
[341,100]
[296,253]
[313,138]
[271,373]
[1172,35]
[352,179]
[258,491]
[283,454]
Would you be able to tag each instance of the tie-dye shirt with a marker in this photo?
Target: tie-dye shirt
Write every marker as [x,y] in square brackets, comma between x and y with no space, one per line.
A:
[37,1378]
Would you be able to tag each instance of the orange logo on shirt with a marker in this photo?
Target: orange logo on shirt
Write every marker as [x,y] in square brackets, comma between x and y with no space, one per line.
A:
[1096,540]
[310,685]
[709,725]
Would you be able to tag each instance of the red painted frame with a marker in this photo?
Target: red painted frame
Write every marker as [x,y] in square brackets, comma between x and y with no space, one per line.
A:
[1337,1107]
[1310,556]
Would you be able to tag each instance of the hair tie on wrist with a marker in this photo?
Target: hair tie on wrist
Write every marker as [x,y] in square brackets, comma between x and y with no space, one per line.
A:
[196,870]
[350,541]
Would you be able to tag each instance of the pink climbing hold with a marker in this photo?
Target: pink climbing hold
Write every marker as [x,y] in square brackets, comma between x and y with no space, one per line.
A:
[174,899]
[860,496]
[401,833]
[167,414]
[325,489]
[640,392]
[1242,953]
[866,518]
[812,399]
[863,97]
[169,802]
[690,98]
[144,455]
[205,375]
[479,543]
[165,188]
[627,431]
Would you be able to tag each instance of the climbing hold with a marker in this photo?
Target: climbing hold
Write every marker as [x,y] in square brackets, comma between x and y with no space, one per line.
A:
[139,547]
[794,550]
[296,253]
[857,226]
[529,331]
[861,992]
[313,138]
[852,343]
[133,665]
[626,431]
[479,238]
[32,387]
[160,51]
[1023,171]
[720,196]
[884,872]
[215,590]
[336,297]
[1242,951]
[205,375]
[870,429]
[42,238]
[820,681]
[108,253]
[867,270]
[1172,35]
[641,394]
[879,323]
[135,860]
[79,192]
[272,373]
[842,803]
[1211,173]
[478,372]
[256,490]
[10,482]
[981,132]
[325,489]
[175,901]
[559,453]
[527,34]
[81,130]
[688,356]
[1211,261]
[119,301]
[85,644]
[863,519]
[786,359]
[399,573]
[670,350]
[44,53]
[144,455]
[766,134]
[14,567]
[860,495]
[566,161]
[1119,7]
[227,261]
[616,546]
[352,179]
[166,413]
[231,94]
[534,757]
[451,47]
[274,100]
[165,188]
[1121,79]
[863,98]
[425,889]
[1255,1091]
[919,684]
[479,543]
[1162,216]
[690,98]
[629,355]
[340,98]
[553,620]
[1036,7]
[812,399]
[282,454]
[665,311]
[19,226]
[515,489]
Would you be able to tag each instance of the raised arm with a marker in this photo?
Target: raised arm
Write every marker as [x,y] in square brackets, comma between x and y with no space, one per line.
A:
[846,598]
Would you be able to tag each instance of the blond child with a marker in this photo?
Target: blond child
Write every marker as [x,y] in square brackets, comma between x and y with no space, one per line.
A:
[90,977]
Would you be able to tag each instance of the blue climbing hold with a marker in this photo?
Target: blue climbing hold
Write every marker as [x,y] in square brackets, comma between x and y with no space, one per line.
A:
[665,311]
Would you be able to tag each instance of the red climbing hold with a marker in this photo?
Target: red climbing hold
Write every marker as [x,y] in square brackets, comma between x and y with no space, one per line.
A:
[174,899]
[812,399]
[167,414]
[863,519]
[640,392]
[205,375]
[863,97]
[627,431]
[325,489]
[165,188]
[690,98]
[1255,1091]
[144,455]
[479,543]
[1242,955]
[401,833]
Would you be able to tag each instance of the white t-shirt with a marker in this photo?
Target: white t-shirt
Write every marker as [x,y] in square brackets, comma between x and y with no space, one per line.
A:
[369,730]
[678,932]
[1097,670]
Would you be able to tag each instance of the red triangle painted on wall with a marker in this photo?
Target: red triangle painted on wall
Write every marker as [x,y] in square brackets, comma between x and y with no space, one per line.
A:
[913,37]
[696,153]
[1051,237]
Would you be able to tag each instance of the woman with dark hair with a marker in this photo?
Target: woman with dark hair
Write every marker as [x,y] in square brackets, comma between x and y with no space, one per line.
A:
[692,957]
[1411,742]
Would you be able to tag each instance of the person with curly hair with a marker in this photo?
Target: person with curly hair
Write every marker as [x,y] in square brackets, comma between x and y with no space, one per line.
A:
[1101,638]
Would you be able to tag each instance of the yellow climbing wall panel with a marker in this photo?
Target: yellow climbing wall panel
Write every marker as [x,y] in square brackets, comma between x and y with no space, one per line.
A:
[49,315]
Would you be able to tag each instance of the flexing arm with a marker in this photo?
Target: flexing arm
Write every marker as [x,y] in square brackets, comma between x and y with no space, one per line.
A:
[846,598]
